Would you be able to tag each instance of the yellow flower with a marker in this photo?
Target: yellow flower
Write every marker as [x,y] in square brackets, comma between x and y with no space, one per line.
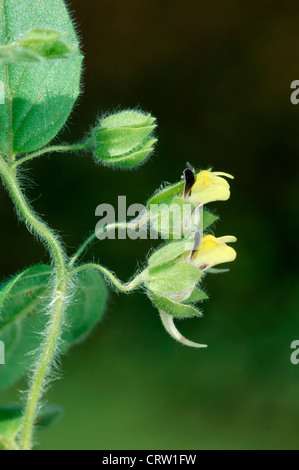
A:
[213,251]
[209,186]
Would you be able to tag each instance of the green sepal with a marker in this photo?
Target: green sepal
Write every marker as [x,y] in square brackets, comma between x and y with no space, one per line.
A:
[134,158]
[197,296]
[160,208]
[167,218]
[129,118]
[169,252]
[119,142]
[167,193]
[208,219]
[172,277]
[175,309]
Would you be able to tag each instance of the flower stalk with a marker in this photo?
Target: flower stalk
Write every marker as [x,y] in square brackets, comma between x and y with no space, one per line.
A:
[128,287]
[55,148]
[134,224]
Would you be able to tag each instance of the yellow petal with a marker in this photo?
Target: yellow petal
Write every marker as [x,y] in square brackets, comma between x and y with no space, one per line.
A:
[220,173]
[209,193]
[214,251]
[209,187]
[227,239]
[209,241]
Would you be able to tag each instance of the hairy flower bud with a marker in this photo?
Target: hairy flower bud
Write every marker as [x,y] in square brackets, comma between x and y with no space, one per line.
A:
[125,139]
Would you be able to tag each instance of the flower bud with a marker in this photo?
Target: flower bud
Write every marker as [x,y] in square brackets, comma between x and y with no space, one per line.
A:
[125,139]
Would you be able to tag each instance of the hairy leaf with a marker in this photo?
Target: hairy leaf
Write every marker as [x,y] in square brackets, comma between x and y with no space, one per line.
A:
[23,317]
[47,415]
[6,288]
[14,55]
[11,421]
[38,97]
[86,307]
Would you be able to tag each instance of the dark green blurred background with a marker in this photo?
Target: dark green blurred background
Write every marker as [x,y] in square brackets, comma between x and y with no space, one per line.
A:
[217,76]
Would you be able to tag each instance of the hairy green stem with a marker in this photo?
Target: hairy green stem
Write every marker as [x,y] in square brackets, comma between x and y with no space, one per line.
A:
[93,236]
[117,283]
[44,362]
[55,148]
[133,224]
